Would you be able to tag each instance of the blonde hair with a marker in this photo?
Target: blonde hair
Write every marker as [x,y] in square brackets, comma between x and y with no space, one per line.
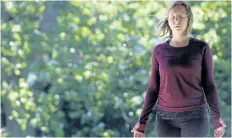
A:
[163,26]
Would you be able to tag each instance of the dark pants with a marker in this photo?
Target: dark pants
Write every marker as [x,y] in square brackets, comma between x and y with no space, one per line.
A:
[182,128]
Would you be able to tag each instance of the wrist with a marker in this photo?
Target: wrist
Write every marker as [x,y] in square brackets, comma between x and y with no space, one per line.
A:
[218,122]
[140,127]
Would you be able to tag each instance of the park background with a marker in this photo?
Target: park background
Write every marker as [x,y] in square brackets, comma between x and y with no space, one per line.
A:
[81,69]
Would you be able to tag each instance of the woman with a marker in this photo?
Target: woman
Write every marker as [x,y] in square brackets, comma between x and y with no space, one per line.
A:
[183,82]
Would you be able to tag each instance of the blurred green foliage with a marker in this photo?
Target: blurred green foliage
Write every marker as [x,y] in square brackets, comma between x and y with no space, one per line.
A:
[81,68]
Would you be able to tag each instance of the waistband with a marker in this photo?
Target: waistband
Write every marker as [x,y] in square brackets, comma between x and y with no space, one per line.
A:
[201,112]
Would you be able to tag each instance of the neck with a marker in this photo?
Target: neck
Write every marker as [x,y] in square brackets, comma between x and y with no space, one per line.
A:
[179,38]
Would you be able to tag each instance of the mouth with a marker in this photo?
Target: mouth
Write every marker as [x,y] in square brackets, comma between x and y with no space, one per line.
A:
[177,27]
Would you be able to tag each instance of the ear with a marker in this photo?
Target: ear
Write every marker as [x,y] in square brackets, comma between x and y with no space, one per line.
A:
[166,19]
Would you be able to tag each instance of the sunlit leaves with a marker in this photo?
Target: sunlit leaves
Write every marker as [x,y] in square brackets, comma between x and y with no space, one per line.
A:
[97,62]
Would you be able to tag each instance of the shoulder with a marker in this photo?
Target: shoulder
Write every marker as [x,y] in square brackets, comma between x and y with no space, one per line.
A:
[203,46]
[159,46]
[200,43]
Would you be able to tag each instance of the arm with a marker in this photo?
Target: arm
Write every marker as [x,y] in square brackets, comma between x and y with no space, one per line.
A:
[151,94]
[209,86]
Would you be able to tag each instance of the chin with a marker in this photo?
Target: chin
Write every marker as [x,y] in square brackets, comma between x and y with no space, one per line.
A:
[178,31]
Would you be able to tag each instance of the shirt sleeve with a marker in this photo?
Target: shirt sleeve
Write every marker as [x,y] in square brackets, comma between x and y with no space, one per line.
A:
[151,95]
[209,85]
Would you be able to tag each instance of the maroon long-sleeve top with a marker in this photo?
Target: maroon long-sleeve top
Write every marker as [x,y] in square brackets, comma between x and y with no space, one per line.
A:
[182,79]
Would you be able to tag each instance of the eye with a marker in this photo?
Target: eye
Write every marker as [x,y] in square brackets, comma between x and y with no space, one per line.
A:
[172,17]
[182,17]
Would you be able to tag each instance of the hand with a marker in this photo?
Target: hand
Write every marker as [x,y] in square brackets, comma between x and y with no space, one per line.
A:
[137,134]
[219,132]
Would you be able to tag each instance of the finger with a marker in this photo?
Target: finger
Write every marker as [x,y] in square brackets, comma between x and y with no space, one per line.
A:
[139,135]
[223,132]
[136,126]
[219,132]
[216,134]
[138,132]
[135,135]
[222,122]
[142,135]
[133,130]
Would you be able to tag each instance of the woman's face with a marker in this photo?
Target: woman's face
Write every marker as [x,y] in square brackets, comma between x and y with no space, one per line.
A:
[178,19]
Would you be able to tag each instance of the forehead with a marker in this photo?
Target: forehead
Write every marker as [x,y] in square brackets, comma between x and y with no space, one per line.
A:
[180,9]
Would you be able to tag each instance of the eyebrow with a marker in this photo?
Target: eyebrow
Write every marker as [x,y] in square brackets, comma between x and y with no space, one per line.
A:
[178,14]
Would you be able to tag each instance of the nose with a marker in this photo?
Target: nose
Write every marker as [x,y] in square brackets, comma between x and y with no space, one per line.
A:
[177,19]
